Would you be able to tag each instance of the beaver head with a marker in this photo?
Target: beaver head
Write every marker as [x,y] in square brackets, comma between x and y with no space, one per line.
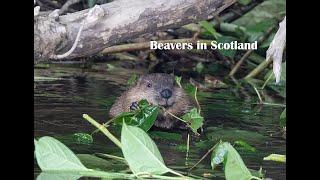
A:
[157,89]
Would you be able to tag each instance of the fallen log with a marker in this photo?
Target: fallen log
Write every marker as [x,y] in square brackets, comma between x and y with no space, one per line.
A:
[113,23]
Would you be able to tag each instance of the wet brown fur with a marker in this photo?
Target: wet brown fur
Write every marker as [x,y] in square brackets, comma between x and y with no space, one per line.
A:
[180,102]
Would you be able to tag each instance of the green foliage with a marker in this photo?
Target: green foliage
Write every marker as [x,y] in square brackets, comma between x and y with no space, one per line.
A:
[141,152]
[244,146]
[234,167]
[219,154]
[52,155]
[269,10]
[94,162]
[193,119]
[144,117]
[275,157]
[283,118]
[58,162]
[199,67]
[254,32]
[227,52]
[190,89]
[257,21]
[83,138]
[165,135]
[110,67]
[209,29]
[58,176]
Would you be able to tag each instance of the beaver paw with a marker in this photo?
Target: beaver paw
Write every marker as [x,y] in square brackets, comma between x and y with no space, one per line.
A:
[134,106]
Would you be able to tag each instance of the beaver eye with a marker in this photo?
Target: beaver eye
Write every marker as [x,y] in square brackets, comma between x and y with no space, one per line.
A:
[149,85]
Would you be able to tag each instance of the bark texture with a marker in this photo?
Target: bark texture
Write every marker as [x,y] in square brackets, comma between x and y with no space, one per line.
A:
[121,20]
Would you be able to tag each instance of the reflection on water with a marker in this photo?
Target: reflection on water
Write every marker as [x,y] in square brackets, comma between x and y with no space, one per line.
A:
[59,105]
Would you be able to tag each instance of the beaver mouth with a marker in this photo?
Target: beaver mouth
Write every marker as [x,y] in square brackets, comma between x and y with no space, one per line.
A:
[167,105]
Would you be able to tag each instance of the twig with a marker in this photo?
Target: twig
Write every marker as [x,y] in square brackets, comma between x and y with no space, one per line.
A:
[259,96]
[180,120]
[236,67]
[176,173]
[151,176]
[258,69]
[174,116]
[266,82]
[104,124]
[188,146]
[111,157]
[271,104]
[256,90]
[244,57]
[146,45]
[204,156]
[196,99]
[242,90]
[66,5]
[103,129]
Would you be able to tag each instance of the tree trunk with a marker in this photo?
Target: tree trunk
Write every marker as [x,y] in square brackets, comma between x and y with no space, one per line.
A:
[121,20]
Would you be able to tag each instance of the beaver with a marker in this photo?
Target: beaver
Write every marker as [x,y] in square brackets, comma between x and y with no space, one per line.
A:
[158,89]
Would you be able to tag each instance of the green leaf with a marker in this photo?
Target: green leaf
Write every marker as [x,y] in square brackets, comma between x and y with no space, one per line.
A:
[219,154]
[110,66]
[234,166]
[141,152]
[266,11]
[254,32]
[127,117]
[57,176]
[235,169]
[275,157]
[209,27]
[199,67]
[94,162]
[82,138]
[144,117]
[190,89]
[52,155]
[178,80]
[193,119]
[227,52]
[244,146]
[147,117]
[283,118]
[165,135]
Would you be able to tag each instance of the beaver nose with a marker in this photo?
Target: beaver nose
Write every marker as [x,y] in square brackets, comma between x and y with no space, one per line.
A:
[166,93]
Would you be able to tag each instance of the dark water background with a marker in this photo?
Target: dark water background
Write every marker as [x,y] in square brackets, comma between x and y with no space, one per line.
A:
[59,105]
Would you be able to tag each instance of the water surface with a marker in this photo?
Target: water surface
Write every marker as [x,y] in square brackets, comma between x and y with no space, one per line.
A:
[60,102]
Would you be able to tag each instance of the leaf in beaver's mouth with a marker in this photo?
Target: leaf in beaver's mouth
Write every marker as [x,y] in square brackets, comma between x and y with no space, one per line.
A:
[144,117]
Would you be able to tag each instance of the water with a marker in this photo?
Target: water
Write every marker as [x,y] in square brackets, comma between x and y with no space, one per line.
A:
[59,105]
